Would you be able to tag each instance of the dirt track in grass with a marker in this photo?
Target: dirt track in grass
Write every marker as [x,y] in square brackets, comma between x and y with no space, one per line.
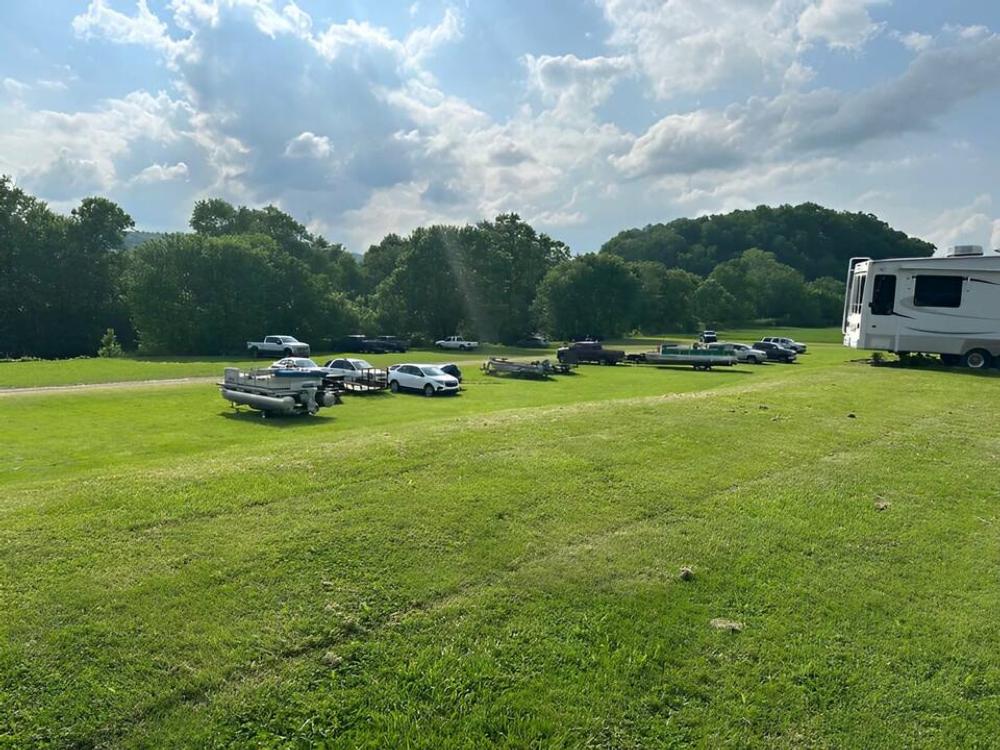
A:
[125,384]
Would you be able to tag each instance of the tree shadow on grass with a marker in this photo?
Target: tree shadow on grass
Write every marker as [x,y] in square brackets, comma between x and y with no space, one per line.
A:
[715,371]
[276,421]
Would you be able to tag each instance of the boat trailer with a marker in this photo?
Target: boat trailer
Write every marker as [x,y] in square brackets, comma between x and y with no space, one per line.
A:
[539,370]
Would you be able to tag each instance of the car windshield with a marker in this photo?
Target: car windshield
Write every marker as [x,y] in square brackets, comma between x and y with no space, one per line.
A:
[289,340]
[433,372]
[361,364]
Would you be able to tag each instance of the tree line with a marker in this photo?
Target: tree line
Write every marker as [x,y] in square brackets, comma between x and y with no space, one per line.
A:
[242,273]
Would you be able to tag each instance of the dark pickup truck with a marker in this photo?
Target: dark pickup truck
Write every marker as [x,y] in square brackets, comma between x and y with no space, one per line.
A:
[589,351]
[371,345]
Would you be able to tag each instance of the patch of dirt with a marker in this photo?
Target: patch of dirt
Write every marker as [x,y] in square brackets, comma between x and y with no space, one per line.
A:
[721,623]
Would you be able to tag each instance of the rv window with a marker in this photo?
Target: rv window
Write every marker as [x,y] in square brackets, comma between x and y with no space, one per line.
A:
[883,294]
[938,291]
[858,293]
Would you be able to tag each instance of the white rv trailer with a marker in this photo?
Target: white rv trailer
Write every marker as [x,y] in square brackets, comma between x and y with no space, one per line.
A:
[946,305]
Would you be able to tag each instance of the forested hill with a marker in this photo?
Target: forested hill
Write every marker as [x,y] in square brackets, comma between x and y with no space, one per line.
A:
[136,238]
[814,240]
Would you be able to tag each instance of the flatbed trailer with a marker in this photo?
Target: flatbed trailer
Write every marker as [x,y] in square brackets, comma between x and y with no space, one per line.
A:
[367,381]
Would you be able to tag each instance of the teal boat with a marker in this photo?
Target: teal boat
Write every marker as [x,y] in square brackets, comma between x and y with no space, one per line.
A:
[700,358]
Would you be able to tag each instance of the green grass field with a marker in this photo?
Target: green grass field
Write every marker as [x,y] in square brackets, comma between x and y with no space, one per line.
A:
[501,568]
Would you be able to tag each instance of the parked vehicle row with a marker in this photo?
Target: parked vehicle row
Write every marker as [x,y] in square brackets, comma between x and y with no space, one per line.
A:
[296,384]
[431,379]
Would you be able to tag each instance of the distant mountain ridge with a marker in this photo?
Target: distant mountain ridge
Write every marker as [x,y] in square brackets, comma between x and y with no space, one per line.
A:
[136,238]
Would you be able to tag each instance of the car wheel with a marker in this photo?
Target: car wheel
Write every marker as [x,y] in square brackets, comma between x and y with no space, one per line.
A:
[255,352]
[428,390]
[288,352]
[394,386]
[977,359]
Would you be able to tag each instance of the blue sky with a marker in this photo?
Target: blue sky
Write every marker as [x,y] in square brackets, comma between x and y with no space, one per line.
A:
[584,117]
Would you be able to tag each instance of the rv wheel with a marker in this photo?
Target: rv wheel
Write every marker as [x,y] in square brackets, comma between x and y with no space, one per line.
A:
[977,359]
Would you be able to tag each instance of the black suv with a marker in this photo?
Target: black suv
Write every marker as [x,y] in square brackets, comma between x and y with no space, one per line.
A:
[775,352]
[390,343]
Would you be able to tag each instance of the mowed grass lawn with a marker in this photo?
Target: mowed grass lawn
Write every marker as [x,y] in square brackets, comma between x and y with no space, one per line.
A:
[501,568]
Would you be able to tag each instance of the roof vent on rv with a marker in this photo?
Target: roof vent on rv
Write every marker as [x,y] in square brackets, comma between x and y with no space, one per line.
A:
[960,251]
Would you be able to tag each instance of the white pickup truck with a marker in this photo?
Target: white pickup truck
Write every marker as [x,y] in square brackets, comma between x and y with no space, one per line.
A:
[455,342]
[287,346]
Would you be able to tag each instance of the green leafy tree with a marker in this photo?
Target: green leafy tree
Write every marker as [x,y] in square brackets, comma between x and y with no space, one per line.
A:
[590,295]
[665,294]
[58,274]
[423,296]
[502,263]
[715,305]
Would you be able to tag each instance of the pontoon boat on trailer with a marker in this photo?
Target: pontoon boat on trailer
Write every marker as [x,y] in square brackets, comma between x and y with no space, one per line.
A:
[281,391]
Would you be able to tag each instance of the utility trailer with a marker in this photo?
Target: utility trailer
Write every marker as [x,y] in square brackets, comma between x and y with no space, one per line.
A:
[539,370]
[367,380]
[698,357]
[280,391]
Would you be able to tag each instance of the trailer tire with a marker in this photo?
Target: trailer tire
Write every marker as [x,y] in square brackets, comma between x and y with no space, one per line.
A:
[394,386]
[977,359]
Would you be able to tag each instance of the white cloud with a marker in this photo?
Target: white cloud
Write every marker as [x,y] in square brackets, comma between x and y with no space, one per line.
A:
[695,45]
[15,88]
[422,42]
[308,146]
[816,122]
[844,24]
[161,173]
[914,40]
[972,224]
[572,85]
[145,28]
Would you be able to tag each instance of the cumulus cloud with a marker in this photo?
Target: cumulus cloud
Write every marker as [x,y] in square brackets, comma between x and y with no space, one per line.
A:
[972,224]
[161,173]
[309,146]
[574,85]
[842,24]
[144,28]
[694,45]
[914,40]
[15,88]
[824,120]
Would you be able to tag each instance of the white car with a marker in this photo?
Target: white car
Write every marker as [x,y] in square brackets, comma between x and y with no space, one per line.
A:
[294,363]
[455,342]
[429,379]
[352,369]
[743,352]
